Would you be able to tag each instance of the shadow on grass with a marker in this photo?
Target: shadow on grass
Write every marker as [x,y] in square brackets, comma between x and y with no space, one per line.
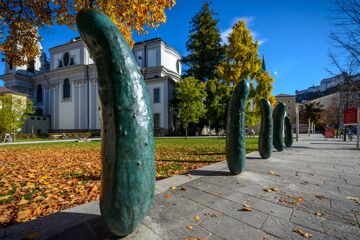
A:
[189,161]
[220,153]
[200,172]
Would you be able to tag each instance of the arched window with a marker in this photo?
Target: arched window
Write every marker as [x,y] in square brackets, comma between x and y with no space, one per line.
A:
[39,93]
[66,88]
[66,59]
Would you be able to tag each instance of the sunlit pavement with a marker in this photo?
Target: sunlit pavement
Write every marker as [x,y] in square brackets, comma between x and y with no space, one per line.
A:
[309,190]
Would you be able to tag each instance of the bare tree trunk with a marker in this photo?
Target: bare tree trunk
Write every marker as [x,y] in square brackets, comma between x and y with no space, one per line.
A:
[309,126]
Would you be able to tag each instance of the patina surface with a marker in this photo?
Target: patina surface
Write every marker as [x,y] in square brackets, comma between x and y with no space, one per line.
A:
[128,167]
[288,132]
[278,121]
[235,130]
[266,129]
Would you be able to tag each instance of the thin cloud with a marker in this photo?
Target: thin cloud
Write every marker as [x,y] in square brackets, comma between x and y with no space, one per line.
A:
[249,23]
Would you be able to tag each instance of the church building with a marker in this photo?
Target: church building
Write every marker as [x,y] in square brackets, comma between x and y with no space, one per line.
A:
[65,87]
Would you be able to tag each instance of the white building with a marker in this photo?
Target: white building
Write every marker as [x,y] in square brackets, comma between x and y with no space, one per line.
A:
[66,88]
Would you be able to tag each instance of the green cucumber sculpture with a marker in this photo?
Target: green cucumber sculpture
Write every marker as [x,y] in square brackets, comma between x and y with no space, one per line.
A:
[128,166]
[278,121]
[288,132]
[235,128]
[266,129]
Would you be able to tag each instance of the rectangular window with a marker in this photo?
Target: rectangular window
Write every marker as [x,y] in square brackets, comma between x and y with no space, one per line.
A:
[139,58]
[156,120]
[151,58]
[156,95]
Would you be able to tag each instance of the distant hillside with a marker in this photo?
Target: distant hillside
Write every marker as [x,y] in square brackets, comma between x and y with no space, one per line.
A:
[313,95]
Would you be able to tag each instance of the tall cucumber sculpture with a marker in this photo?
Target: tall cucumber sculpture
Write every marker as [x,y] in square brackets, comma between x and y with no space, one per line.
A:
[128,166]
[235,128]
[266,129]
[288,132]
[278,121]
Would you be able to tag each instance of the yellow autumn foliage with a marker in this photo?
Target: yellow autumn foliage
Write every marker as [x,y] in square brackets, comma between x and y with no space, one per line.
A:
[21,20]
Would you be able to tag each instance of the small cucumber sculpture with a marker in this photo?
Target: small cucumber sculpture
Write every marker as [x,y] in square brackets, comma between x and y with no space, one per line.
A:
[288,132]
[128,166]
[235,128]
[266,129]
[278,121]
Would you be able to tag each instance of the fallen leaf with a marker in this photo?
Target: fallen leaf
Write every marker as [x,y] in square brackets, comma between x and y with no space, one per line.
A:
[271,173]
[173,188]
[167,196]
[318,213]
[271,189]
[211,214]
[197,218]
[321,197]
[182,188]
[6,197]
[189,175]
[304,183]
[246,209]
[23,201]
[189,227]
[302,233]
[355,199]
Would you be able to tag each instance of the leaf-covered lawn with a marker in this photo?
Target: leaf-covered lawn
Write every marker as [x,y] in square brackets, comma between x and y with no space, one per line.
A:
[40,179]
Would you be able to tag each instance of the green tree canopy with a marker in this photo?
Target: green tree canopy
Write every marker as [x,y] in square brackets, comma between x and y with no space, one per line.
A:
[203,45]
[310,110]
[217,102]
[13,113]
[190,98]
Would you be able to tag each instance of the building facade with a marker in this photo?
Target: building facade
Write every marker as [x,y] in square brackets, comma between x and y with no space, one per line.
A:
[290,102]
[66,86]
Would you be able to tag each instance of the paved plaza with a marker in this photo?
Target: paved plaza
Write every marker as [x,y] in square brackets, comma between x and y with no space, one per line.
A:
[311,190]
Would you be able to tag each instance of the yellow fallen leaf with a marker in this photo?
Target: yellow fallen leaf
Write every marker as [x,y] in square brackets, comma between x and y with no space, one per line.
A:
[6,197]
[271,189]
[321,197]
[302,233]
[189,175]
[189,227]
[271,173]
[197,218]
[318,213]
[355,199]
[173,188]
[23,201]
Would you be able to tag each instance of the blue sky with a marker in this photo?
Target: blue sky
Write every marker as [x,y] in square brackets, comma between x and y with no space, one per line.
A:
[293,35]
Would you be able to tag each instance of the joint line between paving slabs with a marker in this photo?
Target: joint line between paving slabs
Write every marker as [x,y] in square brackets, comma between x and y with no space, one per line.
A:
[222,212]
[197,224]
[244,194]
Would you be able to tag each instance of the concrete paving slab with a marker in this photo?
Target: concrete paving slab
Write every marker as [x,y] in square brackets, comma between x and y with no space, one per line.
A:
[308,170]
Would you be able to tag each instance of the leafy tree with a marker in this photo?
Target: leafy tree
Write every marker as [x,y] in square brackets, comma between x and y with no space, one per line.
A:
[217,102]
[310,112]
[21,19]
[241,56]
[242,62]
[204,45]
[190,98]
[13,113]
